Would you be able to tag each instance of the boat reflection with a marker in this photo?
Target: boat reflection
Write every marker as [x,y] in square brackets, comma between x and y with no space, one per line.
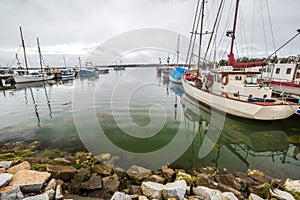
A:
[239,142]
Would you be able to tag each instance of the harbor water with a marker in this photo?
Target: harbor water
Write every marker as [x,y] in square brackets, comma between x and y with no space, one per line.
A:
[141,118]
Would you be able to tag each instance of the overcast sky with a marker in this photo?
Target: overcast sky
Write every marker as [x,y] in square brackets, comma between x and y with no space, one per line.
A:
[73,28]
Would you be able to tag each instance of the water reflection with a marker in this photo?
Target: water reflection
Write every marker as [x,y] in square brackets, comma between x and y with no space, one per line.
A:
[243,143]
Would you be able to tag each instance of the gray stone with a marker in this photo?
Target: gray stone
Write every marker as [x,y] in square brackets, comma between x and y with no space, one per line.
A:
[279,194]
[254,197]
[152,190]
[136,189]
[138,173]
[5,178]
[11,193]
[29,180]
[58,193]
[50,193]
[228,196]
[38,197]
[207,193]
[175,190]
[111,183]
[22,166]
[120,196]
[292,185]
[5,164]
[95,182]
[64,173]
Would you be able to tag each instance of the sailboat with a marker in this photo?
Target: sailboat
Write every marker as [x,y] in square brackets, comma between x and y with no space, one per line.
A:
[234,89]
[27,76]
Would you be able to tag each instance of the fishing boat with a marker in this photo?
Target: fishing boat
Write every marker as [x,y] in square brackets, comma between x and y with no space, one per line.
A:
[31,76]
[234,89]
[87,71]
[66,74]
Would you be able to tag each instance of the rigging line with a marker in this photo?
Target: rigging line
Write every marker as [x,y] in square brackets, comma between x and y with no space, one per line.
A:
[214,27]
[193,30]
[252,28]
[271,26]
[263,25]
[200,39]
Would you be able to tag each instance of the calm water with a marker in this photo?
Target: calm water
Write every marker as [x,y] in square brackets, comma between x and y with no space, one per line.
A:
[141,118]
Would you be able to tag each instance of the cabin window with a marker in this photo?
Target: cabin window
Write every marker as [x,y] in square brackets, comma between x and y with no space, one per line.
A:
[277,70]
[288,70]
[238,78]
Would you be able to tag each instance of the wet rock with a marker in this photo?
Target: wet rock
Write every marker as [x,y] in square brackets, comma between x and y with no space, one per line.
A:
[95,182]
[226,188]
[205,180]
[228,196]
[37,160]
[138,173]
[58,193]
[246,182]
[5,178]
[228,179]
[64,173]
[102,169]
[152,190]
[5,164]
[60,161]
[38,197]
[292,185]
[175,190]
[29,180]
[33,145]
[120,172]
[11,193]
[111,183]
[135,189]
[51,185]
[155,178]
[259,176]
[168,173]
[254,197]
[82,176]
[22,166]
[207,193]
[279,194]
[120,196]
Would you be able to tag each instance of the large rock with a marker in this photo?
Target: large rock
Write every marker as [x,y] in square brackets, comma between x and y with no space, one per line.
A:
[11,193]
[5,164]
[279,194]
[22,166]
[38,197]
[205,180]
[111,183]
[64,173]
[95,182]
[5,178]
[206,193]
[175,190]
[29,180]
[138,173]
[259,176]
[120,196]
[292,185]
[152,190]
[102,169]
[228,179]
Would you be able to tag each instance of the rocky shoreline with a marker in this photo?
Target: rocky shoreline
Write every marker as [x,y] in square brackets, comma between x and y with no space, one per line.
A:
[32,174]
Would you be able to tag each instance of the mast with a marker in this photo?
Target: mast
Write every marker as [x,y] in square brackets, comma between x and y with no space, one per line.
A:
[177,52]
[200,40]
[65,61]
[23,44]
[231,60]
[79,60]
[40,54]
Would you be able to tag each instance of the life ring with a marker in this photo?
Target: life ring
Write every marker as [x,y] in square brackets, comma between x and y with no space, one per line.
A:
[224,79]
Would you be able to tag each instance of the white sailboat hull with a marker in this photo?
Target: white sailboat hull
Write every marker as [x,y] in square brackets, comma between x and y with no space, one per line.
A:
[240,108]
[32,78]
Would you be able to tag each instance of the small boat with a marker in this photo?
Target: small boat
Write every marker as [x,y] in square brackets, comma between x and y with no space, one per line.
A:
[176,75]
[85,72]
[66,73]
[102,71]
[119,67]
